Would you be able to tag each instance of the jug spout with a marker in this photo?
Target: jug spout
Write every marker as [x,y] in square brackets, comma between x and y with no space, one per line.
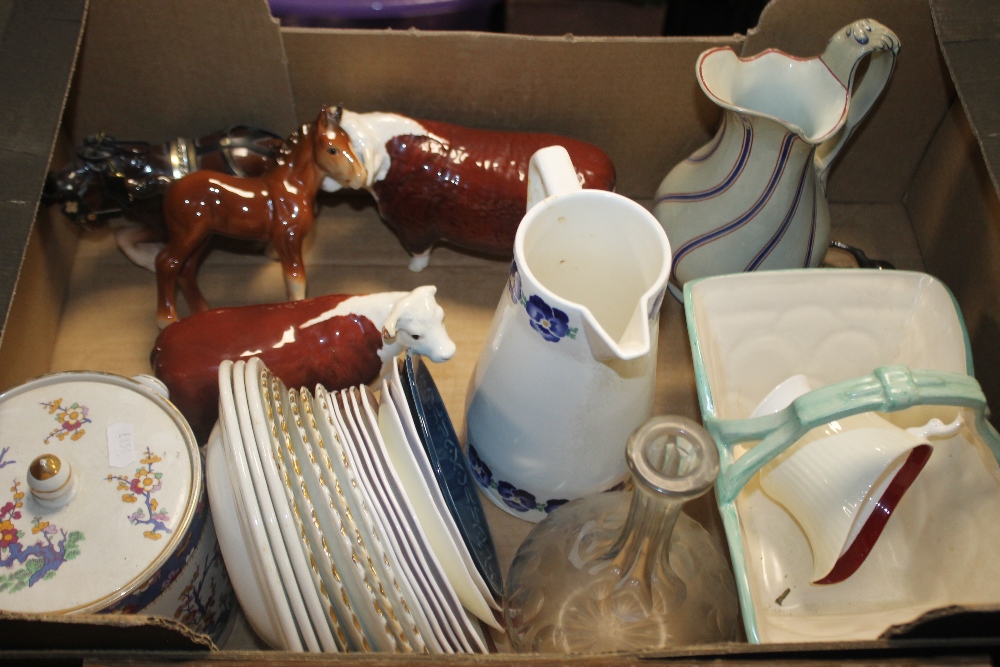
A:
[634,342]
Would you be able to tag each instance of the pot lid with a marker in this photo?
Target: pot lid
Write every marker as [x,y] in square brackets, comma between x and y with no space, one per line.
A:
[99,480]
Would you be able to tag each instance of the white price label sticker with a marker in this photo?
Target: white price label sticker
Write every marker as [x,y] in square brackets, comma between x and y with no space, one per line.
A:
[121,445]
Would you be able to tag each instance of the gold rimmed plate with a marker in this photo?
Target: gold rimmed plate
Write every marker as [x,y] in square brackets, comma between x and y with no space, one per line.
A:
[398,591]
[344,459]
[402,518]
[359,580]
[276,516]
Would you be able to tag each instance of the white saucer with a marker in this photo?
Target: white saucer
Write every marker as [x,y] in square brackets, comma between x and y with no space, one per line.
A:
[248,410]
[331,424]
[289,521]
[407,453]
[398,592]
[349,554]
[403,520]
[253,524]
[236,552]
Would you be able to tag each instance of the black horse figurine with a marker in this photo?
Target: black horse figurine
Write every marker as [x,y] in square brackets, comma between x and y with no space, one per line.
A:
[111,179]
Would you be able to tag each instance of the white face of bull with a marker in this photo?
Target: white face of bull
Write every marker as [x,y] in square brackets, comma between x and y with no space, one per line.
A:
[416,322]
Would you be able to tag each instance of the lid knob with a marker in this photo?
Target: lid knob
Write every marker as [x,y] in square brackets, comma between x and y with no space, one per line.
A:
[51,481]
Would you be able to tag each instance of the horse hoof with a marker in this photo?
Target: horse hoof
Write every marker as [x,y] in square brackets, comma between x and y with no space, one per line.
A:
[162,320]
[420,261]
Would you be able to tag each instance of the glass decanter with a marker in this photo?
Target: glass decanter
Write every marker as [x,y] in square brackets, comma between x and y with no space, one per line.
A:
[622,571]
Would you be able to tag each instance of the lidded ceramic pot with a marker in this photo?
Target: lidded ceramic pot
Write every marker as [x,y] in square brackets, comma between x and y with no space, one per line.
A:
[102,504]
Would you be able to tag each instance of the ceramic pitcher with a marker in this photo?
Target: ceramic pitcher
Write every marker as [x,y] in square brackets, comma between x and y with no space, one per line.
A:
[567,371]
[754,197]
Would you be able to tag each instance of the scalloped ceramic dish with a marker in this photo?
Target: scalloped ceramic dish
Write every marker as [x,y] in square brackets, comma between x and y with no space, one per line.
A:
[317,602]
[398,594]
[349,553]
[360,499]
[236,552]
[252,421]
[454,568]
[408,456]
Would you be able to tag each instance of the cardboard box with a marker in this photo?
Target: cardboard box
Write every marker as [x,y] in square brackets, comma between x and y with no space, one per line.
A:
[912,187]
[585,17]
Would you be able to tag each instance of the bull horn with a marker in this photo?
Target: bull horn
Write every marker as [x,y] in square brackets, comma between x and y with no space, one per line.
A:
[389,327]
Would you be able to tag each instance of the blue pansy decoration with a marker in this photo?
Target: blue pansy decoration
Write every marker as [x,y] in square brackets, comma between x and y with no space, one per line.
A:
[551,322]
[554,504]
[514,284]
[515,498]
[480,470]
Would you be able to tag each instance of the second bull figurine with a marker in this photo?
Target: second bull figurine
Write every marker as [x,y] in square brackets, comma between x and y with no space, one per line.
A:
[436,182]
[336,340]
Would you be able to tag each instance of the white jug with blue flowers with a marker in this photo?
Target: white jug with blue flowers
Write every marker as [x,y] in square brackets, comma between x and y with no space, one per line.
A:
[567,371]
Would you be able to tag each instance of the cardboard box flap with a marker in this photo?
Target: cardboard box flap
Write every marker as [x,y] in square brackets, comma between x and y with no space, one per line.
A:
[214,67]
[38,44]
[96,632]
[969,33]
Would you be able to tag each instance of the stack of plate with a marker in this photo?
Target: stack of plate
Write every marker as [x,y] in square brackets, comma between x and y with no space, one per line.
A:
[350,523]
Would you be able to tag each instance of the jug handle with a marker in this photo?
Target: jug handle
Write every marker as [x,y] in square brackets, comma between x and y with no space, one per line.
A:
[845,51]
[551,172]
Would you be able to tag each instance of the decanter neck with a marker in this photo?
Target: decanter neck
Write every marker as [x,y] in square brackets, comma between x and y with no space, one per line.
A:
[672,460]
[644,542]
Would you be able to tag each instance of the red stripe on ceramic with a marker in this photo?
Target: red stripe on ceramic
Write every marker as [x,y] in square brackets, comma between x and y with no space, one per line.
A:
[852,558]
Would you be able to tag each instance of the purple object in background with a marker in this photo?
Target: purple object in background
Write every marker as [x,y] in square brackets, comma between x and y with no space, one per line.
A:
[399,14]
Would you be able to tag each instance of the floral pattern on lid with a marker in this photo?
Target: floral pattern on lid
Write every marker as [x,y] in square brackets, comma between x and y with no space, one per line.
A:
[23,565]
[143,484]
[45,561]
[70,418]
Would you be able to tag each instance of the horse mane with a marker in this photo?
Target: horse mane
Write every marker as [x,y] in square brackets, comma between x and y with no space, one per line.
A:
[293,143]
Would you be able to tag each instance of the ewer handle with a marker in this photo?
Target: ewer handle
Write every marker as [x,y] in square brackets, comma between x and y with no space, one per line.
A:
[862,39]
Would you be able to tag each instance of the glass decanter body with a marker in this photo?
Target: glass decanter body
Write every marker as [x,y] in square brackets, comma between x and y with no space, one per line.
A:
[624,570]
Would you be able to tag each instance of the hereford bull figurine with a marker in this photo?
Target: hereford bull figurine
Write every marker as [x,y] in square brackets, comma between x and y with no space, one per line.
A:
[338,341]
[437,183]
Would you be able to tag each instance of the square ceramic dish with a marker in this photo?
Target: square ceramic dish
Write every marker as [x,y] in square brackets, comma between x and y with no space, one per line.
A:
[887,341]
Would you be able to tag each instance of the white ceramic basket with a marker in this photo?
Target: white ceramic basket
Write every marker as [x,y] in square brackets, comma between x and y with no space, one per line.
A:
[887,341]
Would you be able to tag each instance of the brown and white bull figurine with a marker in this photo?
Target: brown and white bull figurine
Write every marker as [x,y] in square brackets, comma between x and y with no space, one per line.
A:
[337,340]
[436,182]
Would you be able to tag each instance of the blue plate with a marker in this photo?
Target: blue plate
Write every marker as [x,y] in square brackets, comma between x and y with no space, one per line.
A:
[453,476]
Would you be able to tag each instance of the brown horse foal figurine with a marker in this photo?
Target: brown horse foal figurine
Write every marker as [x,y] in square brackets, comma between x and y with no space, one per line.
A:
[277,206]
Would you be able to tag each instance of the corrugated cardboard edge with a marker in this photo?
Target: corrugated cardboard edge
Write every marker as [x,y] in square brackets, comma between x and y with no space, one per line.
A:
[38,47]
[953,622]
[969,35]
[98,632]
